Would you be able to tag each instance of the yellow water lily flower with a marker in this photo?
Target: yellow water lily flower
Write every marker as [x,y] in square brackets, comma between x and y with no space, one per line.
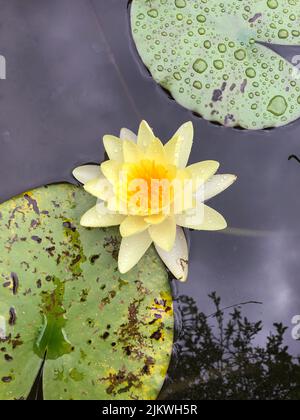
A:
[148,189]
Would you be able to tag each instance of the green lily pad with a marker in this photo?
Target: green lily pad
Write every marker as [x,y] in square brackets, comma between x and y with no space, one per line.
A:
[209,56]
[103,335]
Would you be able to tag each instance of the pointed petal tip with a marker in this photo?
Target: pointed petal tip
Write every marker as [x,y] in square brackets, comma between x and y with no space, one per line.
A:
[113,147]
[215,186]
[89,219]
[177,259]
[184,277]
[122,269]
[187,129]
[220,225]
[126,134]
[86,173]
[231,178]
[225,226]
[180,146]
[84,221]
[216,163]
[144,124]
[148,127]
[189,124]
[74,173]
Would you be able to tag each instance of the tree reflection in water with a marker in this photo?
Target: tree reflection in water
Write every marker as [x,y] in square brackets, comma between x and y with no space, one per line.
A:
[221,362]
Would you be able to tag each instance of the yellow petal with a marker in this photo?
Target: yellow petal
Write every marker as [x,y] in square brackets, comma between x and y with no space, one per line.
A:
[111,170]
[132,249]
[177,259]
[113,147]
[100,188]
[145,135]
[86,173]
[155,219]
[164,234]
[178,149]
[116,205]
[133,225]
[202,218]
[156,151]
[126,134]
[200,172]
[183,192]
[131,152]
[94,218]
[217,184]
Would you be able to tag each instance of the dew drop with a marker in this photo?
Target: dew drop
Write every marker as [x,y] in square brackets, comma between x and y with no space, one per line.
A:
[200,66]
[250,72]
[283,34]
[180,3]
[177,75]
[222,48]
[201,18]
[272,4]
[218,64]
[240,54]
[152,13]
[198,85]
[277,106]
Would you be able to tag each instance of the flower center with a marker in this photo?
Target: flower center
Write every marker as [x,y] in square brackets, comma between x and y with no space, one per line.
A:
[150,188]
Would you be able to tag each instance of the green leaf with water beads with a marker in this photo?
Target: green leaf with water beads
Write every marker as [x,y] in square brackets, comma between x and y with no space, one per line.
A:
[208,55]
[103,335]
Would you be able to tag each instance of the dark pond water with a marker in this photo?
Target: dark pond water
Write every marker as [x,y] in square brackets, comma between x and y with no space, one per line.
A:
[73,75]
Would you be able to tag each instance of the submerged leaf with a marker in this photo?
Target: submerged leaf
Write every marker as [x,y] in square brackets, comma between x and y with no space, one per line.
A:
[208,55]
[104,335]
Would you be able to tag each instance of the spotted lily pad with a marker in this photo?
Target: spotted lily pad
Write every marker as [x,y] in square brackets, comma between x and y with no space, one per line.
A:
[209,56]
[103,335]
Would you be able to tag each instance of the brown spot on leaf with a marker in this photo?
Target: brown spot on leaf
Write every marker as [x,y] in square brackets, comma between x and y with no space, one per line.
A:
[12,317]
[36,239]
[149,362]
[112,245]
[51,251]
[94,258]
[121,382]
[32,203]
[217,95]
[69,225]
[16,342]
[15,280]
[6,379]
[243,86]
[255,18]
[157,335]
